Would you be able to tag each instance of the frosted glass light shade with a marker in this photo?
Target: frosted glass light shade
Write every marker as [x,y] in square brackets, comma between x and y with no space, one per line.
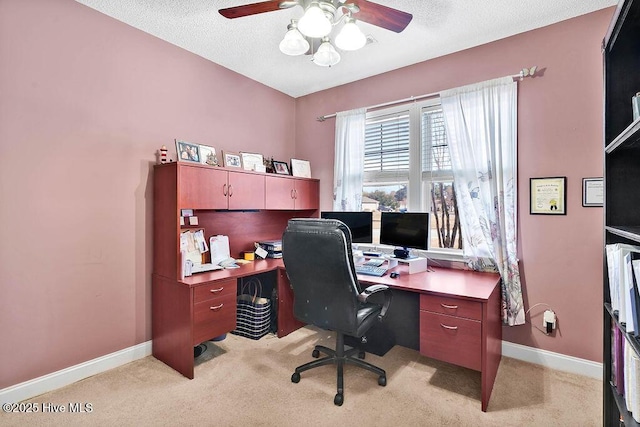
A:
[350,37]
[293,42]
[326,56]
[314,23]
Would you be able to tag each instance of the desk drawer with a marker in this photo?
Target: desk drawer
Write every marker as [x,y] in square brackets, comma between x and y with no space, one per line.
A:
[214,290]
[213,318]
[451,339]
[451,306]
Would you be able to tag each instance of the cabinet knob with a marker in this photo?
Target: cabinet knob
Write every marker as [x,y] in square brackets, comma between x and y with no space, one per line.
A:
[215,291]
[230,190]
[216,308]
[224,189]
[451,307]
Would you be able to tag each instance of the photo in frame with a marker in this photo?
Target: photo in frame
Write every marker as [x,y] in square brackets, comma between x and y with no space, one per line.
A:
[231,159]
[548,196]
[300,168]
[592,192]
[281,168]
[187,152]
[252,162]
[208,155]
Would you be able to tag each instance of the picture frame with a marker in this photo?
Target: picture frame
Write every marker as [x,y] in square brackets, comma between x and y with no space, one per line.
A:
[208,155]
[232,159]
[592,192]
[548,196]
[281,168]
[300,168]
[252,162]
[187,152]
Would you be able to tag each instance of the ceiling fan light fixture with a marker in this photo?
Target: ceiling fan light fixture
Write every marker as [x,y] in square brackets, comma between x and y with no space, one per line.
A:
[294,42]
[326,56]
[314,23]
[350,37]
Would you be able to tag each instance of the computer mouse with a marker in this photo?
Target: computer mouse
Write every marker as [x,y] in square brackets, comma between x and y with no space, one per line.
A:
[394,275]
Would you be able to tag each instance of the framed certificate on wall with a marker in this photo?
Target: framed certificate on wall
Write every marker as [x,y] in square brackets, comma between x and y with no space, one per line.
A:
[548,196]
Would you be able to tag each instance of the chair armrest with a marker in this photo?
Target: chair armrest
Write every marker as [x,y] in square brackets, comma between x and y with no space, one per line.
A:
[374,289]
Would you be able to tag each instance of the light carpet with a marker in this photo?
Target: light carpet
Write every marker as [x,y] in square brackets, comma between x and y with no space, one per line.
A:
[241,382]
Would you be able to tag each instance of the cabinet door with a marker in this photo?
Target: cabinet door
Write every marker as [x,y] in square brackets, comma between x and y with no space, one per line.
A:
[287,323]
[307,194]
[246,190]
[202,188]
[279,193]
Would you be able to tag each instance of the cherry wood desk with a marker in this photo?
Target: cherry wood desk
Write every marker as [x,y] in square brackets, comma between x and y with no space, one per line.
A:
[459,314]
[460,320]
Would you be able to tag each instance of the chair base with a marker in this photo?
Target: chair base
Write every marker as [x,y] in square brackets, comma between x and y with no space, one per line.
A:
[339,357]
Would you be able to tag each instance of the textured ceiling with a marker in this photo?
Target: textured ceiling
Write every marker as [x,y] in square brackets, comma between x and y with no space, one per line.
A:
[249,45]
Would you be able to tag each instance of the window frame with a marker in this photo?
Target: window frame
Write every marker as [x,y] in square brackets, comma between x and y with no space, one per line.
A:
[418,181]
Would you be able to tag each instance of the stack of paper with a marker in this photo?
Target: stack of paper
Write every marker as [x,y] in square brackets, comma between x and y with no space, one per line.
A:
[623,289]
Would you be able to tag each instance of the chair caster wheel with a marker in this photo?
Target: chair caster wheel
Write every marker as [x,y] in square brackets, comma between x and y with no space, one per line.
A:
[361,355]
[382,380]
[339,399]
[315,353]
[295,378]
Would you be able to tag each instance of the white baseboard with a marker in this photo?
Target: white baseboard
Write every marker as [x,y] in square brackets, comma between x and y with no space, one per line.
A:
[55,380]
[553,360]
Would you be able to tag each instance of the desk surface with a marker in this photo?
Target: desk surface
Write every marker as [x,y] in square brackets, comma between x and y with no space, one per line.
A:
[442,281]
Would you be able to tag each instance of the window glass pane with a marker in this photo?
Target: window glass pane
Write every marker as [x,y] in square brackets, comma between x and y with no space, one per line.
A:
[386,146]
[379,198]
[445,226]
[435,152]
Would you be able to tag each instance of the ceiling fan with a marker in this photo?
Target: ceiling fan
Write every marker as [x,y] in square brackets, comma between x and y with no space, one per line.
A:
[318,21]
[367,11]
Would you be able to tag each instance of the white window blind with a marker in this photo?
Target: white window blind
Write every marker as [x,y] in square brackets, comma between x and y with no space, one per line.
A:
[386,146]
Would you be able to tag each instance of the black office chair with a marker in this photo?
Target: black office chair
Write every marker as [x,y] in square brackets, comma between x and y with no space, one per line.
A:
[318,259]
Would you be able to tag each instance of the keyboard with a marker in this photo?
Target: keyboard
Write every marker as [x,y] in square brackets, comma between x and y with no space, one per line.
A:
[370,270]
[376,262]
[200,268]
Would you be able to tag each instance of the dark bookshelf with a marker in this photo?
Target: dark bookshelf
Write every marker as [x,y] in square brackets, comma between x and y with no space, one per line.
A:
[621,61]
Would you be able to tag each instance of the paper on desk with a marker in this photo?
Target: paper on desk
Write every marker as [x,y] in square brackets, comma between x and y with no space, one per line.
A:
[219,247]
[188,245]
[200,242]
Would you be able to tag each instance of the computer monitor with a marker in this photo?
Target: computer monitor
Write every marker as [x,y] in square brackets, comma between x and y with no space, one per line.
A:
[360,224]
[405,229]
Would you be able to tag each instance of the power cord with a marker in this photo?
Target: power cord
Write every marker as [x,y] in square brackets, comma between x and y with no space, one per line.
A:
[549,318]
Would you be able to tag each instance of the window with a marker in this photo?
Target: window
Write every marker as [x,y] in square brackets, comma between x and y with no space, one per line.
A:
[407,167]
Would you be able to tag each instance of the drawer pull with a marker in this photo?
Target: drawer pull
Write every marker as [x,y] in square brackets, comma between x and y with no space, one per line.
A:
[453,328]
[451,307]
[215,291]
[216,308]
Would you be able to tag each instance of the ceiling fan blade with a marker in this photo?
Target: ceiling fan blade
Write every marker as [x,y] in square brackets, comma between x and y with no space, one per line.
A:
[251,9]
[382,16]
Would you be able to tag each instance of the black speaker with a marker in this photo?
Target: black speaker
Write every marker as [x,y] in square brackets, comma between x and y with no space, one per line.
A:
[401,253]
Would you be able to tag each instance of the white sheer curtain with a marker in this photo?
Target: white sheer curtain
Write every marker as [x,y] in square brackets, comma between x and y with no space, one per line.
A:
[349,160]
[481,126]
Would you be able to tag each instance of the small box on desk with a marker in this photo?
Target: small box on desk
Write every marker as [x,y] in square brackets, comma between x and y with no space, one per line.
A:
[416,265]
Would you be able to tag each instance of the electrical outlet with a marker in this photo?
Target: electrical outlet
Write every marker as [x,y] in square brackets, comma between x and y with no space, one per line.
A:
[549,321]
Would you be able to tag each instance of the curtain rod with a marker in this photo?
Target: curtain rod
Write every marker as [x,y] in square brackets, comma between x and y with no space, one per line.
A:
[525,72]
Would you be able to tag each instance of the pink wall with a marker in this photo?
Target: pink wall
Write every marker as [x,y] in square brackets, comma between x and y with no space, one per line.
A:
[85,103]
[559,134]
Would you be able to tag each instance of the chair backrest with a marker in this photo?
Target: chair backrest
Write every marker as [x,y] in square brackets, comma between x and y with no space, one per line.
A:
[319,262]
